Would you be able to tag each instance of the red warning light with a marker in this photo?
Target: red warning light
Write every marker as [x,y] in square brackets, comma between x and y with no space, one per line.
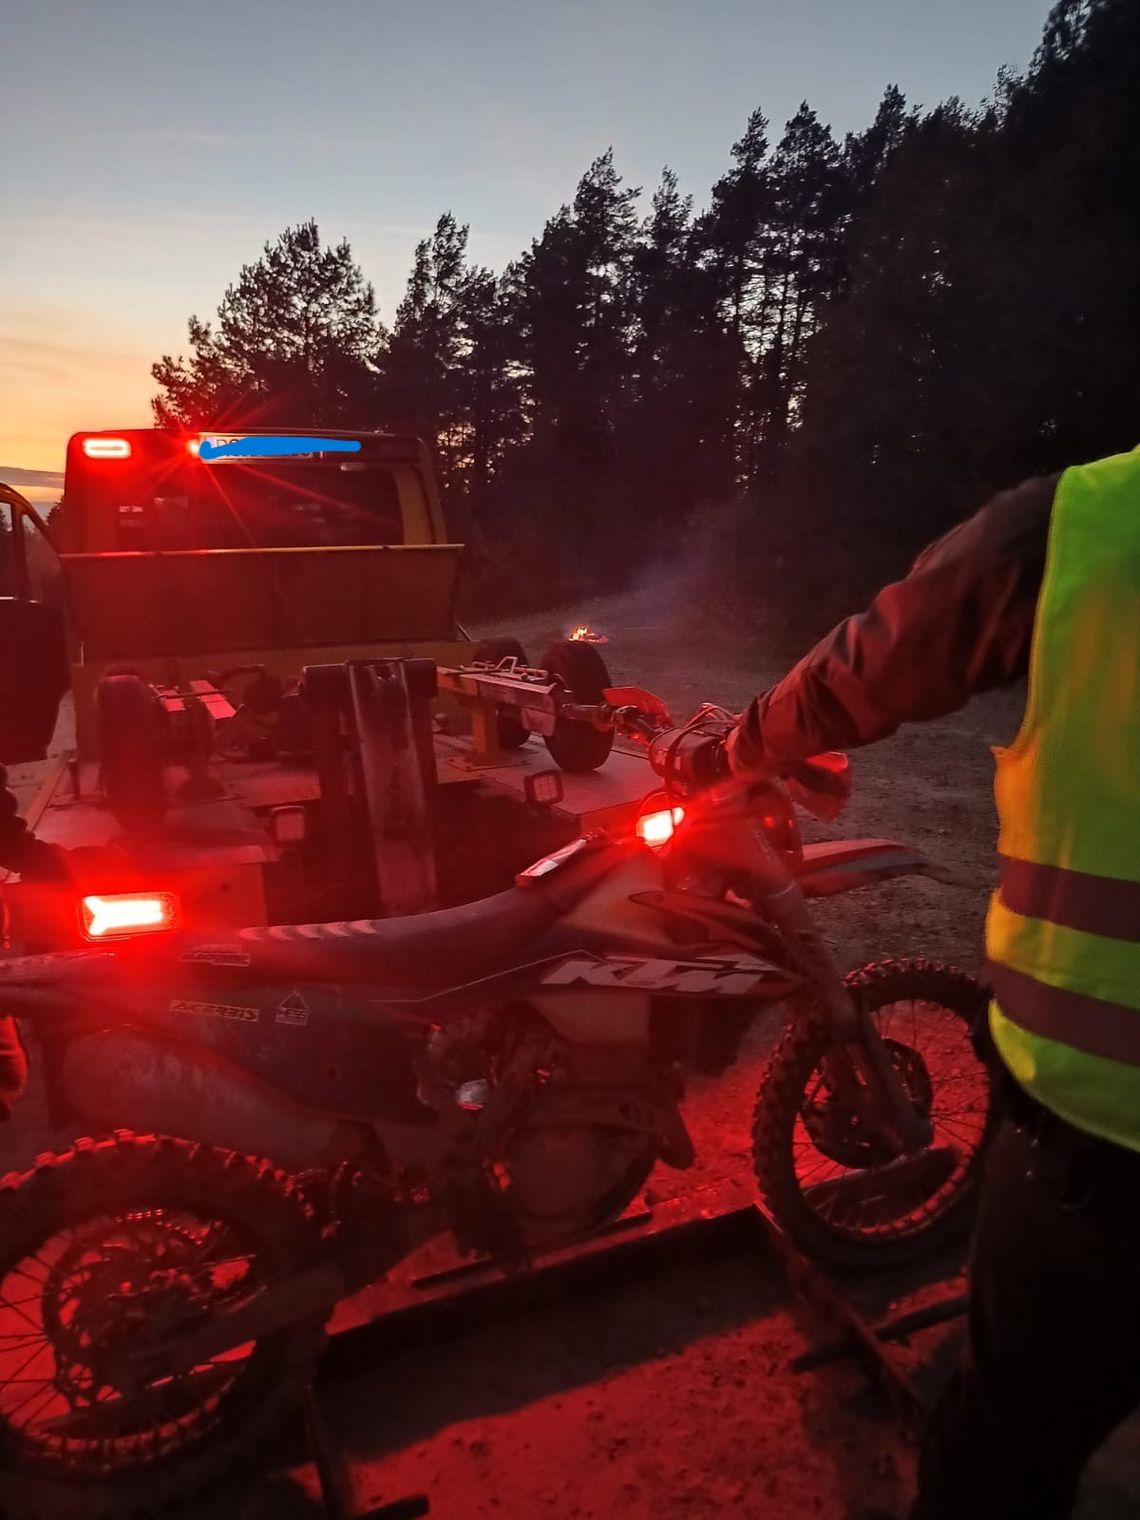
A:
[115,915]
[656,829]
[107,448]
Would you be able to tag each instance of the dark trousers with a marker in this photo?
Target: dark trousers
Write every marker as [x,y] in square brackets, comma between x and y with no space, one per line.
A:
[1053,1358]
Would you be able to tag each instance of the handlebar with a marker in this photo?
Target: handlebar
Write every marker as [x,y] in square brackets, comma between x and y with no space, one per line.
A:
[694,758]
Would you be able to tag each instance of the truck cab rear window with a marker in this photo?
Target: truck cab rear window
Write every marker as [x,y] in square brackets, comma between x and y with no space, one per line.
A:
[236,506]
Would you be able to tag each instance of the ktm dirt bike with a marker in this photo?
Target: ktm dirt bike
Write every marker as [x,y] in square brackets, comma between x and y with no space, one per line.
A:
[308,1104]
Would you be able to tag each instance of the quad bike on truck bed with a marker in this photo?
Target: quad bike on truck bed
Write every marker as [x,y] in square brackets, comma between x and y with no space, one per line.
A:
[222,625]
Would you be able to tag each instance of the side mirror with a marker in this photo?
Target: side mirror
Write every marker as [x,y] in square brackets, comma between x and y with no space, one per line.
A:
[33,677]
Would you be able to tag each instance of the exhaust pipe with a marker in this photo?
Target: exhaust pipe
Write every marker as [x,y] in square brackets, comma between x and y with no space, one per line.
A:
[128,1078]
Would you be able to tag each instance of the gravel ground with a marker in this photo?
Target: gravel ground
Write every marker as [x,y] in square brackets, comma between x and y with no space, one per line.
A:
[670,1397]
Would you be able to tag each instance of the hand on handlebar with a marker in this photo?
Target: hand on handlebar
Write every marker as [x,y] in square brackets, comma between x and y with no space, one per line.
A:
[822,785]
[692,758]
[697,757]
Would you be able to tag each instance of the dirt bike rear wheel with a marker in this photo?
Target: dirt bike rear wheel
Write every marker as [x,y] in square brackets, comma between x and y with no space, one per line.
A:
[829,1185]
[103,1248]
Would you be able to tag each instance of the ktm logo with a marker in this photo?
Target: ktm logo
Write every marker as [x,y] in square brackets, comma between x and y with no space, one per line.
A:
[735,978]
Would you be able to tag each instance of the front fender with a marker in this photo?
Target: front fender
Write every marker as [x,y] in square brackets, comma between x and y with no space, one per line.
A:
[841,865]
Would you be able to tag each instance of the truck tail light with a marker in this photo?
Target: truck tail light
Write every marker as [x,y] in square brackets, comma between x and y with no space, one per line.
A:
[656,829]
[107,448]
[121,915]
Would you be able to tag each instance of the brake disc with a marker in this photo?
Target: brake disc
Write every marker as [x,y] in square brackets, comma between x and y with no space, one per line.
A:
[846,1137]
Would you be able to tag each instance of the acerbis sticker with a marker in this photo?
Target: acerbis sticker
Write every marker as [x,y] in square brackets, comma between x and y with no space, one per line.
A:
[217,955]
[217,1010]
[293,1010]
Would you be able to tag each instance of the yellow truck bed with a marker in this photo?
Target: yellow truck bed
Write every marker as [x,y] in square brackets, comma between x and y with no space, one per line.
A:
[59,816]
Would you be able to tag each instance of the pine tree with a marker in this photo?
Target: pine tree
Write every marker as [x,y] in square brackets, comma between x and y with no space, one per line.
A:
[293,344]
[490,390]
[859,341]
[571,303]
[734,237]
[420,366]
[677,447]
[799,278]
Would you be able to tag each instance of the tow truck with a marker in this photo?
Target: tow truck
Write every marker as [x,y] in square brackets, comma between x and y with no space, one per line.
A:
[277,716]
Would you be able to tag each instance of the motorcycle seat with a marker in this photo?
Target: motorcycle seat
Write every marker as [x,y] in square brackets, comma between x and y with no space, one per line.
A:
[430,951]
[426,950]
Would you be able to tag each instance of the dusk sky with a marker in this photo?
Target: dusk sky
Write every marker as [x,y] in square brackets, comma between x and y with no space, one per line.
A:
[150,149]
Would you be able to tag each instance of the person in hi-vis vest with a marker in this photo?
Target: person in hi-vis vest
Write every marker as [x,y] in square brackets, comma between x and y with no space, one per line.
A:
[1044,581]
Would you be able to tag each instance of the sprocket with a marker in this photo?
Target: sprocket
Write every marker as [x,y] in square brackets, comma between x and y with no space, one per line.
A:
[843,1136]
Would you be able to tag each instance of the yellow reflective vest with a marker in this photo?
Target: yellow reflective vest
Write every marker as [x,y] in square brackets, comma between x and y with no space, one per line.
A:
[1063,931]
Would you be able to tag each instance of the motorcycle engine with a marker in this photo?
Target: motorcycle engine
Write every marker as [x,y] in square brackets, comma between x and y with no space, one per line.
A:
[565,1180]
[557,1159]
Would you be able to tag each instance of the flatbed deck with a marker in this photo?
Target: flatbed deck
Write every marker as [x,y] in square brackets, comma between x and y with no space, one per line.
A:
[60,814]
[593,798]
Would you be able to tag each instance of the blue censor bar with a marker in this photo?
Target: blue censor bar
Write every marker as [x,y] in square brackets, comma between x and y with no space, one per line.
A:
[275,447]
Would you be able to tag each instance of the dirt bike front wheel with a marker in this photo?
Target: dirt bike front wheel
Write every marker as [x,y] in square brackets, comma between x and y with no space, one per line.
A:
[838,1190]
[106,1251]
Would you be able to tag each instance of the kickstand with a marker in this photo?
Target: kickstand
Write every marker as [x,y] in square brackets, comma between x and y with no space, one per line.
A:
[815,1288]
[336,1481]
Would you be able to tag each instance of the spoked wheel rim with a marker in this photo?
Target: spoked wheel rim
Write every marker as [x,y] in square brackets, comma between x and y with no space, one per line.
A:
[850,1179]
[76,1307]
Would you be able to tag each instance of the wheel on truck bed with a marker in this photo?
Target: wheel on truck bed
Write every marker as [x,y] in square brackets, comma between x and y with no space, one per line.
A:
[129,733]
[512,733]
[573,745]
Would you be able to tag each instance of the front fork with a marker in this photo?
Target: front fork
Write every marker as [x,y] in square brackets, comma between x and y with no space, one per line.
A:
[856,1064]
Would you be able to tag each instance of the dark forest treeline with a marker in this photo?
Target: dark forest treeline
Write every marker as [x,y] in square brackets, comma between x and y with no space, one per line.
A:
[851,346]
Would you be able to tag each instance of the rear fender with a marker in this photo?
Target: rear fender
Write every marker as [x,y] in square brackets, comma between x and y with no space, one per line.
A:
[130,1078]
[841,865]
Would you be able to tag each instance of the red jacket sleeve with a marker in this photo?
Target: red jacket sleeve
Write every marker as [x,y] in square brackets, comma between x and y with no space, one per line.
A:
[960,623]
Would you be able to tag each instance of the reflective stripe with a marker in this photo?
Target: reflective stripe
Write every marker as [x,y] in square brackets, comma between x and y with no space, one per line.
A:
[1107,969]
[1098,1096]
[1085,1023]
[1094,904]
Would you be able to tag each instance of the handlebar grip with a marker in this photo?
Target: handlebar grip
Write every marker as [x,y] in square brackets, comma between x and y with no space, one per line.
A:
[829,773]
[822,785]
[689,756]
